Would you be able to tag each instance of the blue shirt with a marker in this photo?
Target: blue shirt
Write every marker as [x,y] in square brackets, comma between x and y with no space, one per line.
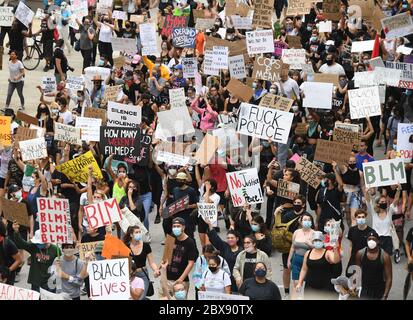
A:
[360,159]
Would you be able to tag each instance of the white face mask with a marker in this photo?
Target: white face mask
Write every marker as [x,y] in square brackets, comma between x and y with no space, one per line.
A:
[18,194]
[172,172]
[250,249]
[69,252]
[372,244]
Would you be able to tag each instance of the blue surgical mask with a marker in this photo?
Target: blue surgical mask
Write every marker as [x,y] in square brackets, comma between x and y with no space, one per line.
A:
[309,28]
[255,227]
[318,244]
[323,183]
[313,39]
[265,144]
[41,246]
[361,221]
[177,231]
[261,273]
[101,63]
[137,237]
[307,224]
[180,295]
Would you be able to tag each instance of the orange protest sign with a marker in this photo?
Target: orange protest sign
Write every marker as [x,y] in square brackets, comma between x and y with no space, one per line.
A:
[112,246]
[5,131]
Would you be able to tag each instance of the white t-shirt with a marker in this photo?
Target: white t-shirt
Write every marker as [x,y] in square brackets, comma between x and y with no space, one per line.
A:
[216,282]
[67,116]
[15,70]
[214,197]
[105,34]
[382,227]
[334,69]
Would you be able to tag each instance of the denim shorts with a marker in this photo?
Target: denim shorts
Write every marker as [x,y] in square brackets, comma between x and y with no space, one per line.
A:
[354,199]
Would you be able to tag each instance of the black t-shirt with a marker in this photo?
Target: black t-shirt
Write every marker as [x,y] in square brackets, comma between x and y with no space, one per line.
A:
[289,215]
[99,237]
[358,239]
[141,174]
[179,194]
[69,193]
[140,260]
[16,42]
[183,252]
[131,91]
[15,174]
[260,291]
[409,238]
[7,250]
[59,54]
[249,265]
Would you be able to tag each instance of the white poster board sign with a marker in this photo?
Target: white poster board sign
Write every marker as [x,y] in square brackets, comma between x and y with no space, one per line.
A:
[90,128]
[260,41]
[364,102]
[382,173]
[123,115]
[244,187]
[33,149]
[317,95]
[237,67]
[24,14]
[405,141]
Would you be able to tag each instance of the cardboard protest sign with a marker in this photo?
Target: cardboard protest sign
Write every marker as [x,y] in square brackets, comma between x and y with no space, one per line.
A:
[175,207]
[398,25]
[240,90]
[207,149]
[172,158]
[317,95]
[77,169]
[75,83]
[301,129]
[90,128]
[183,37]
[209,67]
[33,149]
[362,46]
[244,186]
[208,212]
[24,133]
[405,141]
[237,67]
[119,62]
[282,103]
[309,172]
[204,24]
[26,118]
[260,41]
[294,57]
[287,189]
[67,133]
[48,83]
[177,97]
[123,143]
[168,249]
[220,57]
[298,7]
[268,69]
[263,10]
[149,38]
[329,151]
[5,131]
[264,123]
[13,210]
[138,19]
[326,77]
[294,41]
[189,67]
[111,93]
[96,113]
[10,293]
[54,220]
[331,9]
[6,16]
[198,14]
[210,295]
[406,79]
[364,102]
[123,115]
[88,247]
[267,100]
[172,22]
[174,122]
[109,279]
[347,137]
[382,173]
[103,213]
[24,14]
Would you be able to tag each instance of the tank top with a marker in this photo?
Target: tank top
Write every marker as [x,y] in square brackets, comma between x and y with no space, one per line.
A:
[372,271]
[318,273]
[118,192]
[300,248]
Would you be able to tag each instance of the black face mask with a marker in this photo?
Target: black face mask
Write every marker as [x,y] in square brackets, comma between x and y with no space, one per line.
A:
[180,183]
[383,205]
[297,207]
[329,62]
[213,269]
[352,165]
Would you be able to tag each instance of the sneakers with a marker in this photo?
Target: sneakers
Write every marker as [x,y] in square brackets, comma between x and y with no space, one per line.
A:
[158,219]
[397,256]
[83,291]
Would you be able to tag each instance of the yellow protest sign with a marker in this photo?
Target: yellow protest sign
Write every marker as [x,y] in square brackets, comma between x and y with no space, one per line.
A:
[77,170]
[5,131]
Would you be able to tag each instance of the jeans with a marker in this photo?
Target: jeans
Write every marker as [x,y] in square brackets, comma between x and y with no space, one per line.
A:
[147,202]
[283,153]
[87,58]
[15,85]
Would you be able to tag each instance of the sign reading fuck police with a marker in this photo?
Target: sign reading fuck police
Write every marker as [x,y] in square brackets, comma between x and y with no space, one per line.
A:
[264,123]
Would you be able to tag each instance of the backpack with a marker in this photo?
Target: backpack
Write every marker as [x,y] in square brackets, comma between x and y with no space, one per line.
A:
[281,237]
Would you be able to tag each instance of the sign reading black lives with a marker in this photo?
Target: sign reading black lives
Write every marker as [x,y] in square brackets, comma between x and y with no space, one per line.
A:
[123,143]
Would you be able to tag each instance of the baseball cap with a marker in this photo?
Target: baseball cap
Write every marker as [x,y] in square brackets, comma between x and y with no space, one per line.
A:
[373,234]
[136,59]
[318,235]
[178,67]
[181,176]
[179,221]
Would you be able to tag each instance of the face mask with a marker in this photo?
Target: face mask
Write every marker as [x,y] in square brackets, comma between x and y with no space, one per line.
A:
[260,273]
[213,269]
[327,229]
[69,252]
[343,83]
[180,295]
[273,91]
[313,39]
[352,165]
[121,175]
[309,28]
[250,249]
[101,63]
[232,243]
[307,224]
[329,62]
[265,144]
[288,28]
[172,172]
[372,244]
[18,195]
[177,231]
[181,183]
[127,26]
[318,244]
[255,228]
[383,205]
[361,221]
[294,108]
[297,207]
[41,246]
[137,237]
[323,183]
